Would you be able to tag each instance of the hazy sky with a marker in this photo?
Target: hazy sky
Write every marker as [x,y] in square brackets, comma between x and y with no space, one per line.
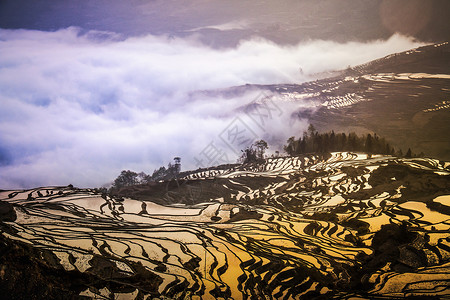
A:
[91,88]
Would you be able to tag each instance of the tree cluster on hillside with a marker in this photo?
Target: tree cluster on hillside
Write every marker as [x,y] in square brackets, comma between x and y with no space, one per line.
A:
[129,178]
[254,153]
[311,142]
[315,142]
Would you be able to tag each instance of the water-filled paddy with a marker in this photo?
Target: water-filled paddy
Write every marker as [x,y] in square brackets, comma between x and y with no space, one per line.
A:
[294,227]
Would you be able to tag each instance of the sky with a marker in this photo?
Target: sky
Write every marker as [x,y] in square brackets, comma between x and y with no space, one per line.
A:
[93,88]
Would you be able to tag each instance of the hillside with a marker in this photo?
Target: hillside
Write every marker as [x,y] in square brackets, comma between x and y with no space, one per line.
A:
[403,97]
[308,227]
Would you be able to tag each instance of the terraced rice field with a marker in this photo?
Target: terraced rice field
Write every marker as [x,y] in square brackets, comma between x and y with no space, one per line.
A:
[343,226]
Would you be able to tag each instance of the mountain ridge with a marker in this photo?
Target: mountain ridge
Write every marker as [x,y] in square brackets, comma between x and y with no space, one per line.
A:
[403,97]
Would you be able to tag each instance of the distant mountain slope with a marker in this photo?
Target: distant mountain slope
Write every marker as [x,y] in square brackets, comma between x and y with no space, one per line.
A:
[404,97]
[304,227]
[434,59]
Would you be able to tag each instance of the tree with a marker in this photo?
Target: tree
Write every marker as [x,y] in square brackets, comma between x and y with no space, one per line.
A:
[261,147]
[352,142]
[388,149]
[249,155]
[171,171]
[408,153]
[168,173]
[255,153]
[290,147]
[331,141]
[312,130]
[342,144]
[126,178]
[177,165]
[369,144]
[143,178]
[159,174]
[302,145]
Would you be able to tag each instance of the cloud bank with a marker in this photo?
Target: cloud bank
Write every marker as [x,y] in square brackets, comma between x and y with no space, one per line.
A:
[79,107]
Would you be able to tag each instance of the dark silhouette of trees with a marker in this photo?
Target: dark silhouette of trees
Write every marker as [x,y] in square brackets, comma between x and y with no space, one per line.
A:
[314,142]
[261,147]
[143,178]
[408,153]
[248,155]
[254,153]
[311,142]
[129,178]
[177,165]
[368,145]
[159,174]
[164,173]
[291,145]
[311,130]
[126,178]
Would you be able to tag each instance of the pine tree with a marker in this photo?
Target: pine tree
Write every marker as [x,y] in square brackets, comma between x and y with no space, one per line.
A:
[369,144]
[315,142]
[311,130]
[408,153]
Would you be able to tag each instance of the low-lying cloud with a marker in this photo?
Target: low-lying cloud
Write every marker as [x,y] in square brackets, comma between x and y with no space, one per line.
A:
[78,108]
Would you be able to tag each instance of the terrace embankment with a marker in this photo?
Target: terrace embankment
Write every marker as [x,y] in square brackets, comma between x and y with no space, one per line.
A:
[306,227]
